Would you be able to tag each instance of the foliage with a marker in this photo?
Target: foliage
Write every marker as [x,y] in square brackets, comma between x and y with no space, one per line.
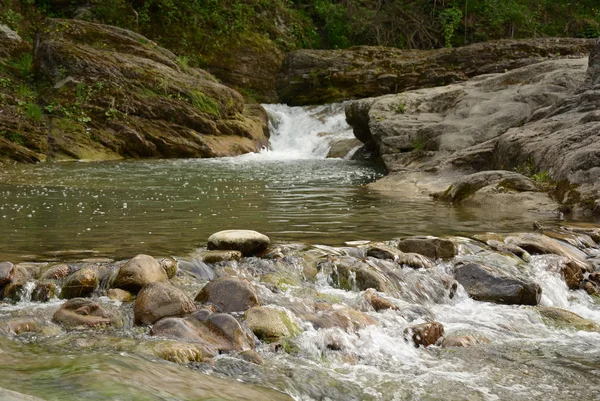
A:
[204,103]
[450,19]
[33,112]
[12,136]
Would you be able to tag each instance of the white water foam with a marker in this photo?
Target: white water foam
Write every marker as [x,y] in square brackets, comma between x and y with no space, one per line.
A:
[303,132]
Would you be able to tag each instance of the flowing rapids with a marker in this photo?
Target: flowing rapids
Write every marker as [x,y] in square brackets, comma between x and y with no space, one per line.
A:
[290,192]
[339,346]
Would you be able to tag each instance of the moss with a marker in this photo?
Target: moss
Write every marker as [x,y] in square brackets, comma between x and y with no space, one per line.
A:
[13,136]
[204,103]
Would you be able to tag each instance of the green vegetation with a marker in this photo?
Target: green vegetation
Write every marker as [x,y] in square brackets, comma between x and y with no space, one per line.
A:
[204,103]
[12,136]
[33,112]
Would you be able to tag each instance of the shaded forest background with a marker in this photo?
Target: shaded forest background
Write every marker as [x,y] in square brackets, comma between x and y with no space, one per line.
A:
[203,28]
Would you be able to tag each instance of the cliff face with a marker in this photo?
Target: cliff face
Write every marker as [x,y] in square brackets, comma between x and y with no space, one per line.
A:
[100,92]
[541,120]
[320,76]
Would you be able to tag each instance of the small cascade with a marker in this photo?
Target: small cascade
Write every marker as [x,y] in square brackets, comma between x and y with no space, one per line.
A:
[27,291]
[304,132]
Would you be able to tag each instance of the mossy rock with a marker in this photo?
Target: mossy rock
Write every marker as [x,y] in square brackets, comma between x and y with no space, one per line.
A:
[563,319]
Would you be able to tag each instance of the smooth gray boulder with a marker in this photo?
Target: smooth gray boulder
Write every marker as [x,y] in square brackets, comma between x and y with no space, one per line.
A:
[248,242]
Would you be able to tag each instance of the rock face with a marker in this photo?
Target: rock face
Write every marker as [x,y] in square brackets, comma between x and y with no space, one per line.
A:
[248,242]
[483,284]
[229,294]
[138,272]
[158,300]
[452,140]
[118,95]
[322,76]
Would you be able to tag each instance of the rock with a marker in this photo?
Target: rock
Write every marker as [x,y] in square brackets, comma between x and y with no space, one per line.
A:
[536,244]
[11,43]
[459,341]
[377,302]
[18,326]
[572,274]
[216,332]
[326,76]
[435,248]
[7,271]
[252,357]
[353,274]
[181,352]
[340,149]
[229,294]
[248,242]
[56,272]
[80,284]
[134,98]
[119,295]
[138,272]
[414,260]
[221,256]
[269,324]
[15,287]
[44,291]
[564,319]
[8,395]
[83,312]
[158,300]
[348,319]
[484,284]
[425,334]
[508,248]
[169,265]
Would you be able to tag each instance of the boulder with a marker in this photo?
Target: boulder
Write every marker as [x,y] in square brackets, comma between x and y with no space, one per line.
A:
[44,291]
[378,302]
[435,248]
[326,76]
[347,319]
[14,288]
[169,265]
[229,294]
[119,295]
[56,272]
[484,284]
[18,326]
[182,352]
[83,312]
[425,334]
[7,271]
[139,271]
[340,149]
[269,324]
[248,242]
[158,300]
[221,256]
[561,318]
[459,341]
[80,284]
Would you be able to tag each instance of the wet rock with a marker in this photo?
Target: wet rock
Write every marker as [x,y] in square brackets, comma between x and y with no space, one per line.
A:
[377,302]
[44,291]
[252,357]
[508,248]
[425,334]
[83,312]
[14,288]
[572,274]
[346,318]
[269,324]
[536,244]
[414,260]
[435,248]
[8,395]
[229,294]
[459,341]
[119,295]
[138,272]
[341,148]
[564,319]
[7,270]
[380,251]
[56,272]
[19,326]
[80,284]
[353,274]
[484,284]
[169,265]
[248,242]
[158,300]
[221,256]
[182,352]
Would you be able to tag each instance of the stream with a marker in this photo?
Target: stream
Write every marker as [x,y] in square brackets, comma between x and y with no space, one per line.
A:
[310,207]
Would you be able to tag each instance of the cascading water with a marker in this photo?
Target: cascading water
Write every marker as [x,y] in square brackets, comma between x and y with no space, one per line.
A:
[303,132]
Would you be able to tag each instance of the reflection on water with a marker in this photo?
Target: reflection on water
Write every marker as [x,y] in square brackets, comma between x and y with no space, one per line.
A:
[172,206]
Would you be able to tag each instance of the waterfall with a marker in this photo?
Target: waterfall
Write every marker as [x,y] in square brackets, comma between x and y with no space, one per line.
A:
[304,132]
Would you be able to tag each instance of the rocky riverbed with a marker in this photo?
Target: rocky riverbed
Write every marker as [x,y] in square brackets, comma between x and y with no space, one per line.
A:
[247,309]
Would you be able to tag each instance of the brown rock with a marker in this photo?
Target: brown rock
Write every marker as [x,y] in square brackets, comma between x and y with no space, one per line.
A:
[82,312]
[347,319]
[572,274]
[80,284]
[158,300]
[138,272]
[377,302]
[221,256]
[7,270]
[435,248]
[119,295]
[18,326]
[252,357]
[56,272]
[248,242]
[459,341]
[229,294]
[170,266]
[425,334]
[269,324]
[44,291]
